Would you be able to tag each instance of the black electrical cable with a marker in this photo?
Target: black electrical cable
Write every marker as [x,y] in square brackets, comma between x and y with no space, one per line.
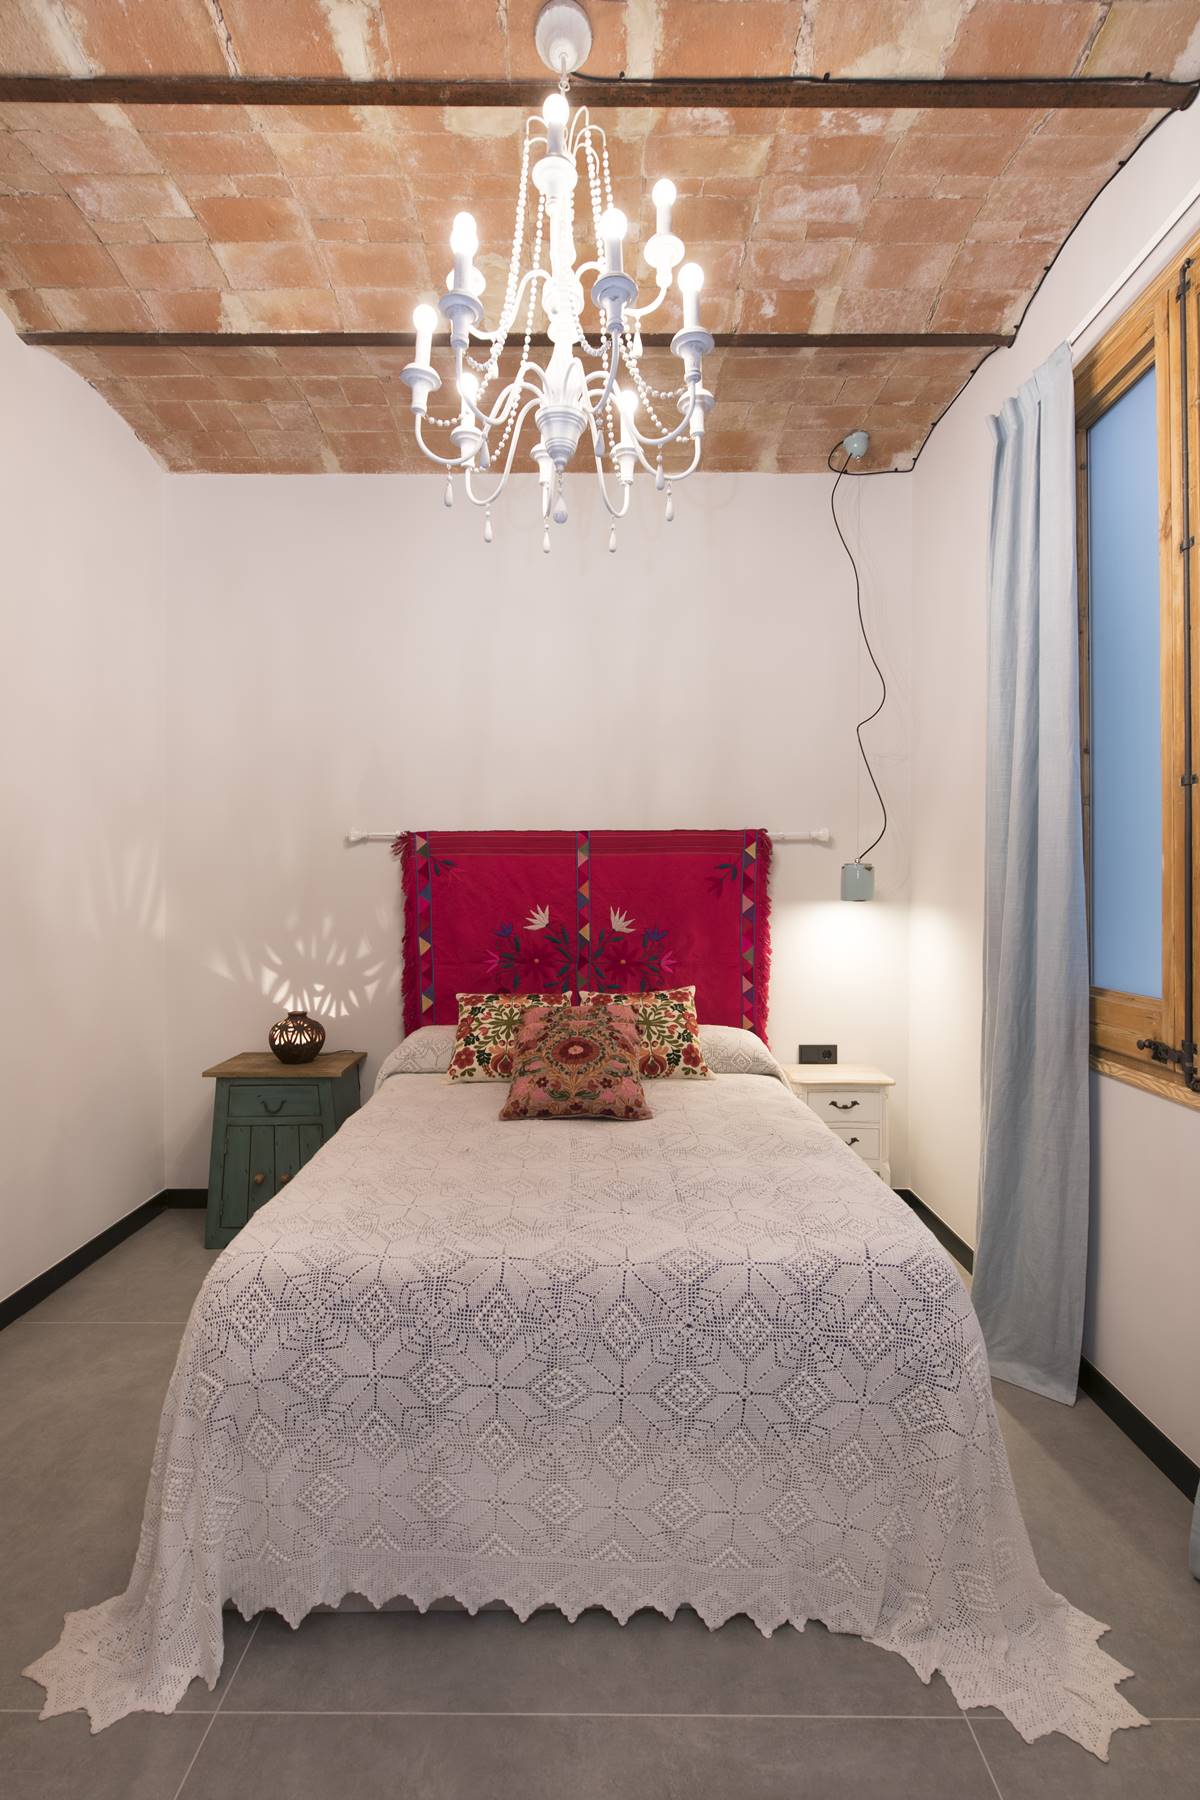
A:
[858,729]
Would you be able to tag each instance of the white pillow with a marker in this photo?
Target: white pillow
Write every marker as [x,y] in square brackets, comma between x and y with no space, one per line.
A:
[728,1050]
[425,1051]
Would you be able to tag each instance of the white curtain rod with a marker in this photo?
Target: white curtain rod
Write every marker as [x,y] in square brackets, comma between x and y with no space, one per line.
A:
[1160,237]
[822,835]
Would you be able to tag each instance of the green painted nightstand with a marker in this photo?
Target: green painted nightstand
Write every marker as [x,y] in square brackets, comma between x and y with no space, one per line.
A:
[269,1118]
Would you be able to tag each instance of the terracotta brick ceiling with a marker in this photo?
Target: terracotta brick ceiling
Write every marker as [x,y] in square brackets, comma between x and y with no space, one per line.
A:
[280,219]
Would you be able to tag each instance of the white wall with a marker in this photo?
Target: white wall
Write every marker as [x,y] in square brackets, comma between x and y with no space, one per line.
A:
[81,813]
[342,651]
[1143,1323]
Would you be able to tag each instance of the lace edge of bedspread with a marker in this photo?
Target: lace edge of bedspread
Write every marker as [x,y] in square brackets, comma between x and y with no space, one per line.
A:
[1057,1680]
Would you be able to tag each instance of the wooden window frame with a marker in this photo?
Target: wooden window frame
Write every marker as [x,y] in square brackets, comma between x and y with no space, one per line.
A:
[1147,336]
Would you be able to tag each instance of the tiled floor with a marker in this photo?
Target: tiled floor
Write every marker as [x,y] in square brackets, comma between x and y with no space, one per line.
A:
[438,1707]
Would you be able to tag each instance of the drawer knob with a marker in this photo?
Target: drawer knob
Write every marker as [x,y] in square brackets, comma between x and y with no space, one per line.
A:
[259,1179]
[270,1109]
[852,1140]
[283,1180]
[844,1105]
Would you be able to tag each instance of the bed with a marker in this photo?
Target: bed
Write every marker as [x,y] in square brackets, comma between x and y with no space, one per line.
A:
[705,1360]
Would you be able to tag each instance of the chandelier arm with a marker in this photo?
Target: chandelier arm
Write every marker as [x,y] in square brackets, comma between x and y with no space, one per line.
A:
[656,443]
[447,462]
[487,499]
[640,312]
[610,380]
[503,330]
[612,511]
[489,421]
[697,445]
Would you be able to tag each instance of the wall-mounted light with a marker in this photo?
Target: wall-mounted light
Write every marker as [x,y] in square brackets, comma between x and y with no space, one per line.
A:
[858,881]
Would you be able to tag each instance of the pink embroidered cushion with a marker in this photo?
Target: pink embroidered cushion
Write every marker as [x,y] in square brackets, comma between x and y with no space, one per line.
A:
[487,1033]
[668,1030]
[576,1062]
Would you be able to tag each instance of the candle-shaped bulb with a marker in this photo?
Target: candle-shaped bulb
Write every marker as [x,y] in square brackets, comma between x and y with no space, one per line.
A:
[468,388]
[425,323]
[627,405]
[691,280]
[464,234]
[664,196]
[613,226]
[555,113]
[464,242]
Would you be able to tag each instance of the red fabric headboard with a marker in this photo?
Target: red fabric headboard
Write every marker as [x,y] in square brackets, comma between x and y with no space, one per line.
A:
[622,911]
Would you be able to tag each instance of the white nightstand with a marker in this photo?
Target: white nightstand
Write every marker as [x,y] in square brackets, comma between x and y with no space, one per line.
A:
[852,1100]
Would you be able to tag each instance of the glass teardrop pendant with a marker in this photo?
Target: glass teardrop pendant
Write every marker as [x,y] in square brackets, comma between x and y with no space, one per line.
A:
[487,526]
[448,496]
[670,504]
[560,509]
[546,541]
[660,479]
[612,541]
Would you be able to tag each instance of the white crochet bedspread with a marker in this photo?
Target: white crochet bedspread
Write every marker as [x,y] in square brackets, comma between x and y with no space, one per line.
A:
[704,1360]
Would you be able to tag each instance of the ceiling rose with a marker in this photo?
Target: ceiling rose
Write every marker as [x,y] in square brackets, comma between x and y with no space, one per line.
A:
[621,417]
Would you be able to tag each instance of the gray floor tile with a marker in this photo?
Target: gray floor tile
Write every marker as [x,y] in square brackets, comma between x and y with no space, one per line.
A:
[492,1663]
[1111,1534]
[143,1758]
[311,1758]
[1155,1762]
[79,1408]
[155,1274]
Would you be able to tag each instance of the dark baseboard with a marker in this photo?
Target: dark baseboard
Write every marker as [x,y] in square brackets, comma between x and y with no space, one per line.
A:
[45,1284]
[1167,1457]
[1173,1462]
[949,1240]
[104,1241]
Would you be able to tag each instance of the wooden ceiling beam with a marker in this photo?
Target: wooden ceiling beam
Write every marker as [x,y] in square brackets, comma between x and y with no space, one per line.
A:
[1145,93]
[404,340]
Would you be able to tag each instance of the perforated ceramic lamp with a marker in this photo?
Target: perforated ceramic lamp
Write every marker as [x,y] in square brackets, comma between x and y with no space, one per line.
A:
[297,1039]
[858,881]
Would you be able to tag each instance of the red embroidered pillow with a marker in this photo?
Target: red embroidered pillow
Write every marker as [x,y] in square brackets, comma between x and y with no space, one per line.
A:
[487,1033]
[668,1030]
[577,1062]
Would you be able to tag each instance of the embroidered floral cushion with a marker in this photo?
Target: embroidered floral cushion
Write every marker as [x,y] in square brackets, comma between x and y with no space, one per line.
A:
[487,1033]
[667,1027]
[577,1062]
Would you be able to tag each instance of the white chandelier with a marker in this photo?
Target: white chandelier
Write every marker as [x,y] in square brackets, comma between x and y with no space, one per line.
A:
[566,399]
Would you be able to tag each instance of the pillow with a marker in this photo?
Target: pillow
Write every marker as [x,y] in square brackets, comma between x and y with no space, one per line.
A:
[577,1062]
[487,1033]
[728,1050]
[425,1051]
[667,1027]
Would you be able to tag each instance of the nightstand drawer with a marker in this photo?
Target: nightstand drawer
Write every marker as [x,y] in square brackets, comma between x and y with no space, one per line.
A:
[863,1139]
[847,1106]
[274,1100]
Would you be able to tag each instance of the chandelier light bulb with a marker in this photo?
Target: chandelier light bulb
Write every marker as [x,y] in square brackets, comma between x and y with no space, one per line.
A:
[613,226]
[691,280]
[464,234]
[664,196]
[464,242]
[627,405]
[555,113]
[425,322]
[468,388]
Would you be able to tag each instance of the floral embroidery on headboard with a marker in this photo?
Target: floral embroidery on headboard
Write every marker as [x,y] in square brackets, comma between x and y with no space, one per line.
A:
[609,911]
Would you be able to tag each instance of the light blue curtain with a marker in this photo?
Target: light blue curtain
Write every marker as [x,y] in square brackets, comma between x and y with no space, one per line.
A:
[1030,1265]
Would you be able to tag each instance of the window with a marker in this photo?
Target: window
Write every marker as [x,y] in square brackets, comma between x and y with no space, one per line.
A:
[1139,579]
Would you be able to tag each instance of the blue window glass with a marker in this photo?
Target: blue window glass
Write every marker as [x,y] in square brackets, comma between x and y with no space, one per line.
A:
[1123,627]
